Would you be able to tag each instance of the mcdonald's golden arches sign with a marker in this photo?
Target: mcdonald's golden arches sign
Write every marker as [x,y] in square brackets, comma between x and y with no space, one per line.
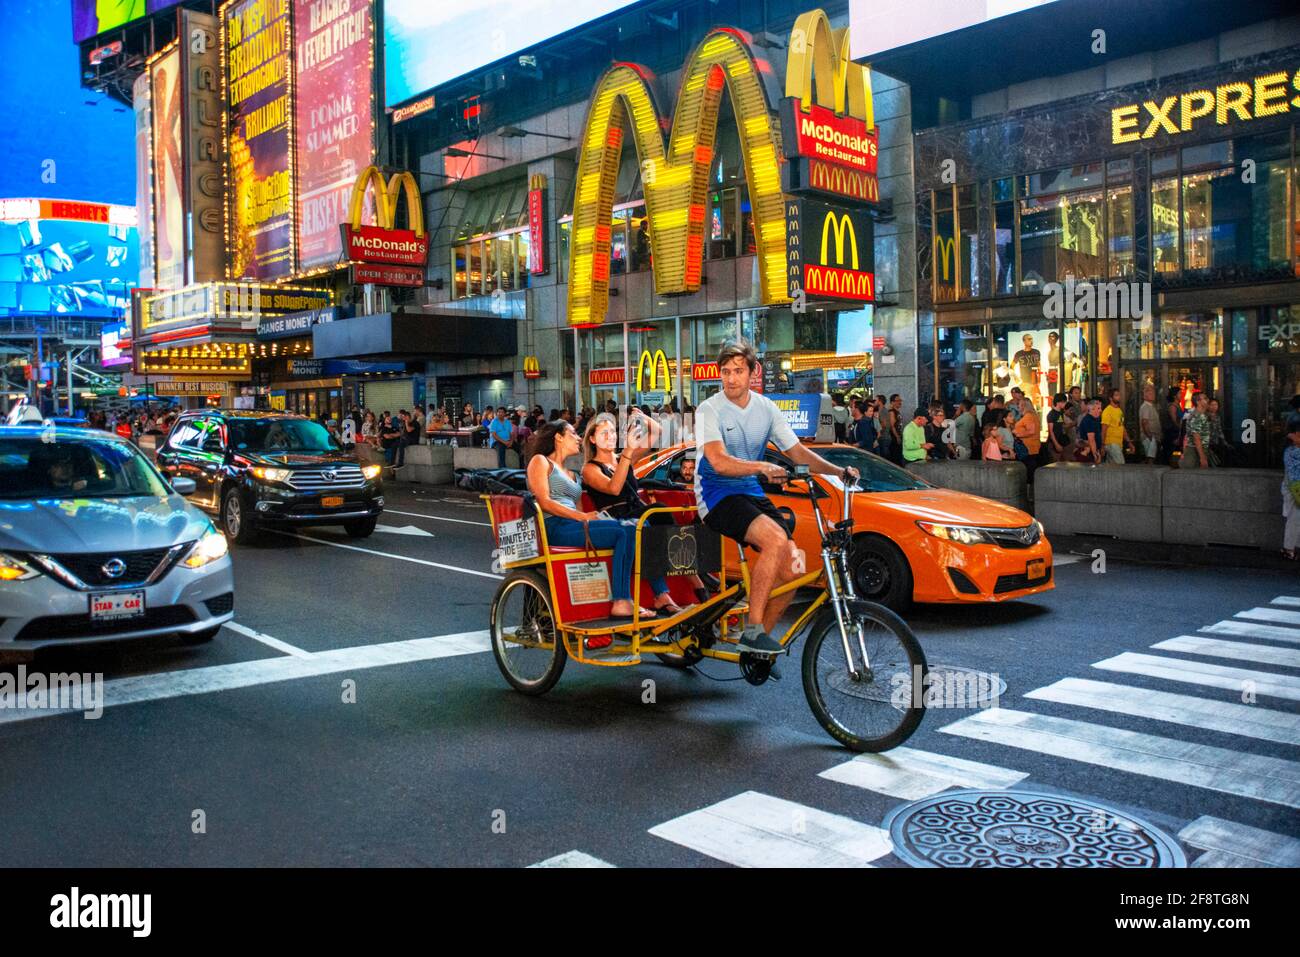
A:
[382,242]
[532,368]
[649,369]
[830,251]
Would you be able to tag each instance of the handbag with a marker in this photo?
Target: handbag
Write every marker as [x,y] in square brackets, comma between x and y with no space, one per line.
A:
[588,549]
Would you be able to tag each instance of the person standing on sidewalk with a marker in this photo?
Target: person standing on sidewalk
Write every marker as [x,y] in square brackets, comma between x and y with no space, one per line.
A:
[894,425]
[865,432]
[1113,435]
[966,426]
[1291,492]
[914,446]
[1197,452]
[502,434]
[1028,435]
[1150,428]
[1056,434]
[1089,448]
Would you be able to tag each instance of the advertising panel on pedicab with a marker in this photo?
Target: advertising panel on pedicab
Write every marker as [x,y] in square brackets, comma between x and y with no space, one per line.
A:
[517,540]
[668,550]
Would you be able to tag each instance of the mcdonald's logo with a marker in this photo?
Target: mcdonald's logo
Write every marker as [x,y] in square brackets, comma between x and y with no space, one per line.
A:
[532,368]
[383,242]
[840,182]
[843,225]
[675,171]
[828,113]
[945,255]
[654,363]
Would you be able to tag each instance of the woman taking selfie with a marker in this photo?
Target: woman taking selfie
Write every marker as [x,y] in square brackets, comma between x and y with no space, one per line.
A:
[609,480]
[558,495]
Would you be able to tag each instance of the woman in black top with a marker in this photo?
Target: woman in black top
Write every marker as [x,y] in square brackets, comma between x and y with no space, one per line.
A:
[609,480]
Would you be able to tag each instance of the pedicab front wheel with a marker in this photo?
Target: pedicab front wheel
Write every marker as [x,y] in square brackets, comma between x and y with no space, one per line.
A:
[525,642]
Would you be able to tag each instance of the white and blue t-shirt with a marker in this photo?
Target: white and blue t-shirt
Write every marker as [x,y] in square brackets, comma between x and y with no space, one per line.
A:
[744,432]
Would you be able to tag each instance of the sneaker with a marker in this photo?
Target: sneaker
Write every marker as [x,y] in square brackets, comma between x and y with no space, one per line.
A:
[756,641]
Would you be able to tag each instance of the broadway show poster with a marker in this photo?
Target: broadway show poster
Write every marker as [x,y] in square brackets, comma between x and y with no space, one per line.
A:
[169,212]
[141,103]
[335,126]
[256,38]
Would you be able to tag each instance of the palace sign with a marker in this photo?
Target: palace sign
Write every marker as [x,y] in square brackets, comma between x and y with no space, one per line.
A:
[830,252]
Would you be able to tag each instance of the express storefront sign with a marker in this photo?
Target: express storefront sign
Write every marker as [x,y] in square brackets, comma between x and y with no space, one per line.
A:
[1248,98]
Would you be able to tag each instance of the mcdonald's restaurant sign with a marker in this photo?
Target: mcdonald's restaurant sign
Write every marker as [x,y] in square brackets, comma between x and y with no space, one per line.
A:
[653,364]
[382,243]
[830,252]
[828,115]
[532,368]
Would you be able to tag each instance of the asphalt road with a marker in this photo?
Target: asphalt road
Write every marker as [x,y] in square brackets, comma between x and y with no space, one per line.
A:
[325,729]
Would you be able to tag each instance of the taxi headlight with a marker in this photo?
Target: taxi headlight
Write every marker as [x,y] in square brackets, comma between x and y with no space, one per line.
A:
[207,549]
[961,534]
[371,471]
[270,475]
[12,570]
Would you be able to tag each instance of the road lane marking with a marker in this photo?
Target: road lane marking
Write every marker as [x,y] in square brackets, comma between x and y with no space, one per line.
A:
[1252,846]
[247,674]
[437,518]
[1201,673]
[911,775]
[1245,719]
[756,830]
[404,530]
[1255,776]
[572,859]
[276,643]
[1066,559]
[1290,600]
[1236,650]
[400,558]
[1276,615]
[1244,629]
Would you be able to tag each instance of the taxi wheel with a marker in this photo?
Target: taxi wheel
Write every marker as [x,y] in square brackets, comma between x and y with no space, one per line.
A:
[880,572]
[235,520]
[527,648]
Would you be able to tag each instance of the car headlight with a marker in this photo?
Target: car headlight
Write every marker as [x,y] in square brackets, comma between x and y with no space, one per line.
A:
[961,534]
[270,475]
[12,570]
[207,549]
[371,471]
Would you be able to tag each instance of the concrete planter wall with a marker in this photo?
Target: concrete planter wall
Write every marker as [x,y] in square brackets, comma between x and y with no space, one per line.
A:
[482,458]
[1119,501]
[1004,482]
[429,464]
[1223,507]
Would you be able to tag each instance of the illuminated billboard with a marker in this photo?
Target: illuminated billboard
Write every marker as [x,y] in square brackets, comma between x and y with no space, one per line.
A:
[880,25]
[110,349]
[333,58]
[93,17]
[168,195]
[67,258]
[256,40]
[426,44]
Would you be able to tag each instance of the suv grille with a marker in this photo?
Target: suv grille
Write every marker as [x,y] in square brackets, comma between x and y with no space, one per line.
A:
[344,477]
[1015,537]
[89,566]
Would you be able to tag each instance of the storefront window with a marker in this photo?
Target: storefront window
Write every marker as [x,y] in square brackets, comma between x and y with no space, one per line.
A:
[477,281]
[1236,218]
[460,272]
[1004,237]
[1164,212]
[1239,332]
[1119,217]
[1061,226]
[1107,349]
[945,247]
[651,384]
[1279,330]
[970,252]
[1022,354]
[639,238]
[774,331]
[964,365]
[1191,335]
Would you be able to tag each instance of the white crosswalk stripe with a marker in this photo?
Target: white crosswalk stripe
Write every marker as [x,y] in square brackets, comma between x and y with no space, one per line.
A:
[1245,629]
[572,859]
[757,830]
[910,774]
[1252,846]
[1292,601]
[1271,614]
[1262,778]
[1249,720]
[1236,650]
[1203,673]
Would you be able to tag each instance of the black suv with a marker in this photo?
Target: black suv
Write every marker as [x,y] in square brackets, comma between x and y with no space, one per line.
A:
[257,468]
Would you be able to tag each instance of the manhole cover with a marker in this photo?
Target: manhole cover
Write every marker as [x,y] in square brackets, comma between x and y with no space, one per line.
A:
[946,686]
[972,828]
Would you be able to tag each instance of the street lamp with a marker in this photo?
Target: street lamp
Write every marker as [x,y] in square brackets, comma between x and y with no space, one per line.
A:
[515,132]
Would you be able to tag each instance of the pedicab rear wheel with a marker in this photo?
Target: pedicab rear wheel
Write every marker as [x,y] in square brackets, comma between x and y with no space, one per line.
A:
[525,641]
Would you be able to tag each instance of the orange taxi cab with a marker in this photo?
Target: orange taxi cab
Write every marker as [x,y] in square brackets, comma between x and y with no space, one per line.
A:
[915,542]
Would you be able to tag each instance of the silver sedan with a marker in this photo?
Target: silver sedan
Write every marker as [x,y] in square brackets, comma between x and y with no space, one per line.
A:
[95,545]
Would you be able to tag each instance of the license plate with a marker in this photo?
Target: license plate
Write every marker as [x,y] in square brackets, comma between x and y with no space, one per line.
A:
[113,606]
[1036,569]
[332,501]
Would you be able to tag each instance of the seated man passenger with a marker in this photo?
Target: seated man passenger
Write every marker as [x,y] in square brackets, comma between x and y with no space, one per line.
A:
[732,430]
